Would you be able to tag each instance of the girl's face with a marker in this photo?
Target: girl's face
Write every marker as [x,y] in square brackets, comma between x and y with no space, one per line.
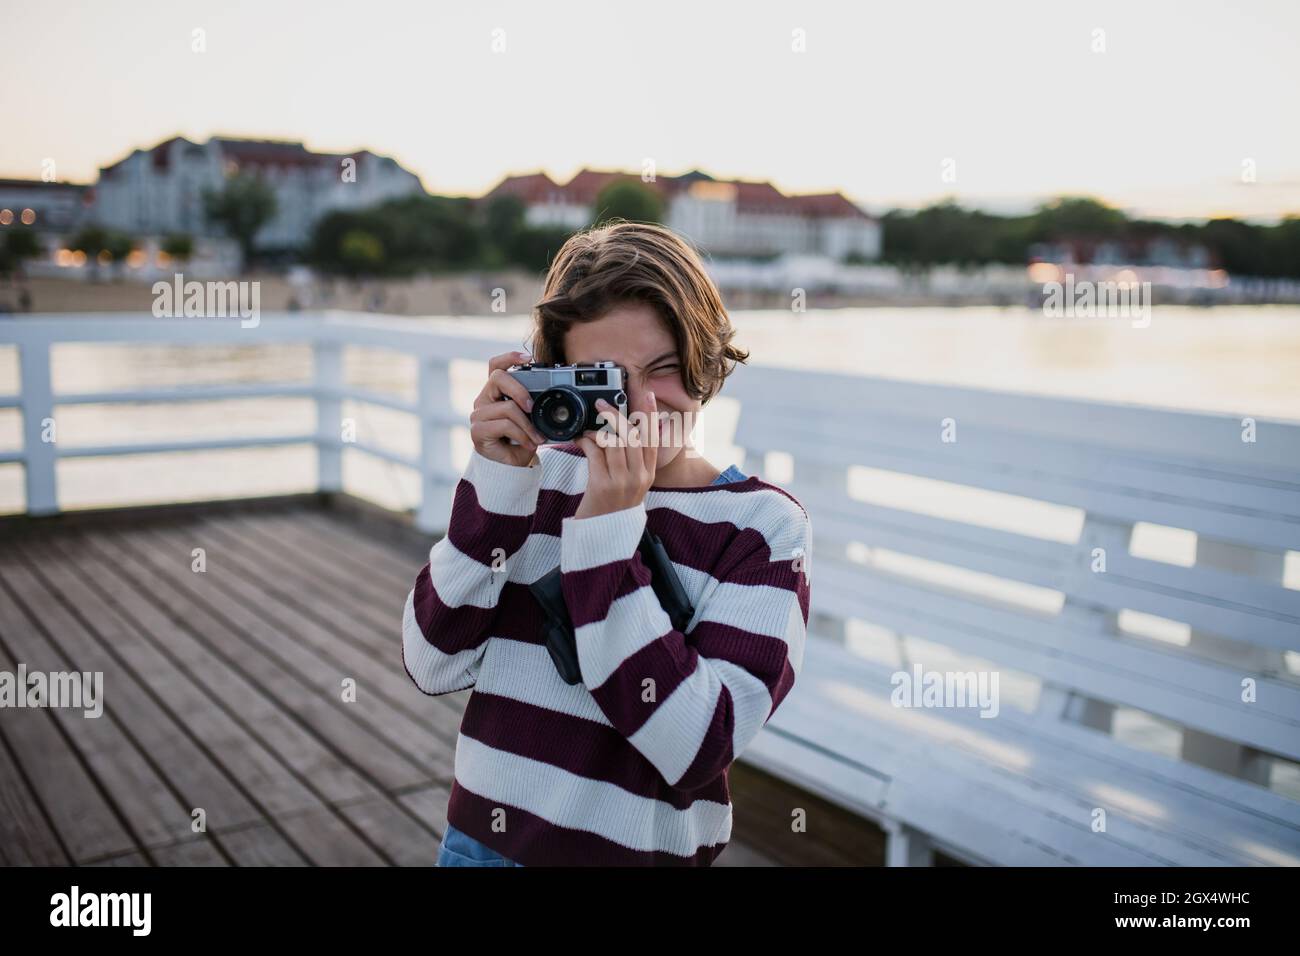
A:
[635,337]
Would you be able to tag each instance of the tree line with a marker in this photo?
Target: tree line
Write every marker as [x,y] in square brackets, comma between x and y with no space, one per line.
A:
[437,234]
[413,235]
[946,233]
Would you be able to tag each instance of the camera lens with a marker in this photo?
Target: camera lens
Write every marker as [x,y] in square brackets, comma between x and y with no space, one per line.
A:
[559,414]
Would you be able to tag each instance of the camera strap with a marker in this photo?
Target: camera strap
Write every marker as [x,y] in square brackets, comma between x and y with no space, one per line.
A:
[561,641]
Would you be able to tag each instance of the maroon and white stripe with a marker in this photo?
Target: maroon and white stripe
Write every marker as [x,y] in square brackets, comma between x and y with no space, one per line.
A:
[690,708]
[449,612]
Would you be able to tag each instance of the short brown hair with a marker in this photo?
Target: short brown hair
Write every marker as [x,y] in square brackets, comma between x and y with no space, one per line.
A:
[619,261]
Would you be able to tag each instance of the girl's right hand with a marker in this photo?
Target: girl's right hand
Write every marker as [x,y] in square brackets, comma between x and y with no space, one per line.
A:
[501,414]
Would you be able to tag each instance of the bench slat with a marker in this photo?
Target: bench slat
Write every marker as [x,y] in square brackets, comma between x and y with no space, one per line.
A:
[1150,432]
[1244,525]
[1191,691]
[1043,784]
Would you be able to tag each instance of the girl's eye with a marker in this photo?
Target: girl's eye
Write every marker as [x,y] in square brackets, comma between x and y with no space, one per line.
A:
[664,368]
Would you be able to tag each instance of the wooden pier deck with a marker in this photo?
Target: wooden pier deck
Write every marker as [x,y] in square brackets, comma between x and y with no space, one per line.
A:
[224,698]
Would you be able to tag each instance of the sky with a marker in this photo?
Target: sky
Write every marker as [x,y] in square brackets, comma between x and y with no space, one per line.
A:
[1171,109]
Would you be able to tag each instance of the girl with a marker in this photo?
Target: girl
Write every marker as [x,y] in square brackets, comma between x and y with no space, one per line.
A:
[628,767]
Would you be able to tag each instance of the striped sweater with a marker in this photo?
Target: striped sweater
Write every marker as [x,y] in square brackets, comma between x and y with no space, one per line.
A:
[628,767]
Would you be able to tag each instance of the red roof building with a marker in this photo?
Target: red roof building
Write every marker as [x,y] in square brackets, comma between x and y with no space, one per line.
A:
[723,217]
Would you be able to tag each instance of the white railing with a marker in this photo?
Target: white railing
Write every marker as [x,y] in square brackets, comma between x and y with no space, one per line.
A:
[327,334]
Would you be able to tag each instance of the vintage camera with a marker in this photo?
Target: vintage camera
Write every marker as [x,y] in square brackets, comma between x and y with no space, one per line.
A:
[564,396]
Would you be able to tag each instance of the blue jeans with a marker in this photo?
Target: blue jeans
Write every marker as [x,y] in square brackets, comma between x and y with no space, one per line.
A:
[458,848]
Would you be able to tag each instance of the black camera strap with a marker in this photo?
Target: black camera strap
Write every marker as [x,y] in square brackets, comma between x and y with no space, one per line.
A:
[560,639]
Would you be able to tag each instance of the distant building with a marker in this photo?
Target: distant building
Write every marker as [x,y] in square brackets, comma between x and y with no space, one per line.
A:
[724,217]
[53,207]
[1157,250]
[159,191]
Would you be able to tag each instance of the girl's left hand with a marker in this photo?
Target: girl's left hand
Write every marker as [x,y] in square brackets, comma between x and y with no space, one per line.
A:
[621,465]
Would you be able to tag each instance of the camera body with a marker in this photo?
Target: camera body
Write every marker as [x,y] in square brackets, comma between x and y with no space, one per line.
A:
[564,396]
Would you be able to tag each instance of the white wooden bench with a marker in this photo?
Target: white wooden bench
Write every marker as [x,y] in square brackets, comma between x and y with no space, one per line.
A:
[1050,782]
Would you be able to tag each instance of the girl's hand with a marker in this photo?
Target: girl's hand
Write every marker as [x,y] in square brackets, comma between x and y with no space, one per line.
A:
[621,466]
[501,413]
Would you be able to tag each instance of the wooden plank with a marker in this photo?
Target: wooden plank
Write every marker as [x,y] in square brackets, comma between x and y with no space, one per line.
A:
[334,838]
[1002,553]
[1180,811]
[739,854]
[948,796]
[406,840]
[207,654]
[820,445]
[363,539]
[766,810]
[232,715]
[182,758]
[1246,526]
[1232,605]
[289,565]
[390,531]
[1243,608]
[200,851]
[329,544]
[309,686]
[1193,692]
[26,836]
[125,859]
[154,813]
[132,516]
[372,615]
[255,770]
[364,814]
[1059,457]
[261,845]
[89,828]
[427,803]
[1211,438]
[327,648]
